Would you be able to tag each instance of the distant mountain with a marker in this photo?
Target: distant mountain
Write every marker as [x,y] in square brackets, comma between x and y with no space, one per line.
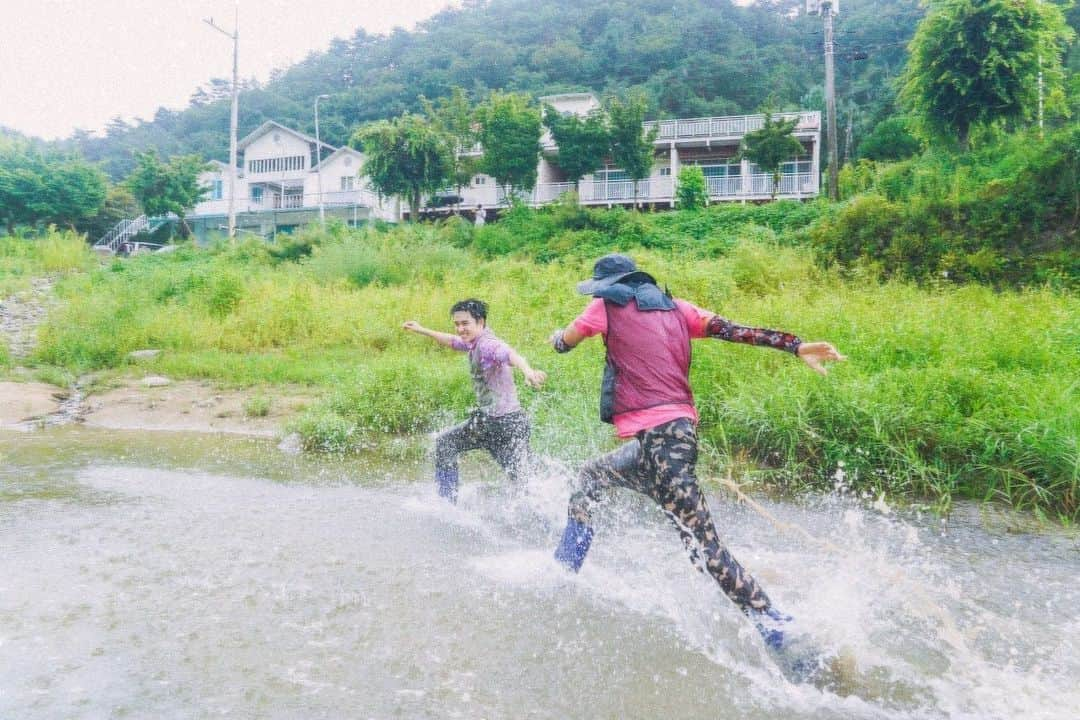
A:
[709,57]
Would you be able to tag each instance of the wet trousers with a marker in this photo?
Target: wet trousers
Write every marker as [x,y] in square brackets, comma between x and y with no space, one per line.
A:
[506,437]
[660,463]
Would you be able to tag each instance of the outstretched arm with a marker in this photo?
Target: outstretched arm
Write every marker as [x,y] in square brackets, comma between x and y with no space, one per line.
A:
[815,353]
[812,353]
[440,337]
[535,378]
[566,339]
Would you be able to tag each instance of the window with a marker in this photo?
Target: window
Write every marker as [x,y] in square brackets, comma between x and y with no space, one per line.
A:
[799,166]
[718,167]
[256,194]
[348,182]
[479,180]
[216,189]
[665,171]
[610,175]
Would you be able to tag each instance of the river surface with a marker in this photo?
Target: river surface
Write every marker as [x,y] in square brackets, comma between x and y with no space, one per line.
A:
[180,576]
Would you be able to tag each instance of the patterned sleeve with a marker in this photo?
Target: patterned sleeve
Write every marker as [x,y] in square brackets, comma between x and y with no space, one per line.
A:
[723,329]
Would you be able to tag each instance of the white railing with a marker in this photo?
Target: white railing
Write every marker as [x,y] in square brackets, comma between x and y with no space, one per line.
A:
[723,186]
[121,233]
[795,184]
[732,126]
[309,201]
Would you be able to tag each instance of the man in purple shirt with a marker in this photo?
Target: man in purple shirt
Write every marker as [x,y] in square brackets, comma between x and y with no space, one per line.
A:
[497,424]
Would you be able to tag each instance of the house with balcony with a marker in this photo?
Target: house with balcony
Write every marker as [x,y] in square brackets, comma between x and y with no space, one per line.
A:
[710,143]
[283,176]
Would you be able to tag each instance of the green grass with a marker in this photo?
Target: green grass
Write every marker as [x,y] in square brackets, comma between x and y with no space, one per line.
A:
[950,391]
[54,252]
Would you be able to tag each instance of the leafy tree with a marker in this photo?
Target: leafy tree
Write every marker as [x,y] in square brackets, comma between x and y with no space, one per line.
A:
[975,62]
[889,140]
[583,142]
[170,187]
[770,146]
[406,156]
[691,193]
[510,135]
[631,147]
[454,116]
[20,184]
[73,191]
[35,188]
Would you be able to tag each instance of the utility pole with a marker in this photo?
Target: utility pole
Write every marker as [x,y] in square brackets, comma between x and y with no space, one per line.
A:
[1040,93]
[828,8]
[318,159]
[234,115]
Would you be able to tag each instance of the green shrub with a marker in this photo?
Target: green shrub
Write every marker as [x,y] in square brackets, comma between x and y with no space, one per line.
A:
[691,193]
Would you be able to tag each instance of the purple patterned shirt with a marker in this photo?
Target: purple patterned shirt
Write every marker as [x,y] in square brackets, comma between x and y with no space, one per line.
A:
[492,374]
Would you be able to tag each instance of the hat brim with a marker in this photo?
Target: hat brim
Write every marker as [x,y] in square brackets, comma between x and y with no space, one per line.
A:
[595,285]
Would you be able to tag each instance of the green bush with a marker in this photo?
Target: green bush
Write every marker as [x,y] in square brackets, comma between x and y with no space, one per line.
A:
[691,193]
[1007,214]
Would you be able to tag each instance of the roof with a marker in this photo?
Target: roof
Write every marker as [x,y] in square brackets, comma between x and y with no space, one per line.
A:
[272,125]
[338,152]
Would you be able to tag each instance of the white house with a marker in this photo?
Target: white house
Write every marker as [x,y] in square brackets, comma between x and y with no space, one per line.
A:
[282,175]
[711,143]
[280,181]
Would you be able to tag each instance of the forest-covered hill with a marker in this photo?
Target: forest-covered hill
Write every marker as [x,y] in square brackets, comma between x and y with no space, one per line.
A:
[692,57]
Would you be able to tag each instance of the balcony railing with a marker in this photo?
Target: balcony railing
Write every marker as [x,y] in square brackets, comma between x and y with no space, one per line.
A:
[292,201]
[733,126]
[660,189]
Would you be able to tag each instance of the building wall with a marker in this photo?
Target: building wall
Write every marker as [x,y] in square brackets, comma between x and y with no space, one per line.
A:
[266,148]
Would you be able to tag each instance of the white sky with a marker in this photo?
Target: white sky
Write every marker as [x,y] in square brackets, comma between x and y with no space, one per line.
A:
[67,64]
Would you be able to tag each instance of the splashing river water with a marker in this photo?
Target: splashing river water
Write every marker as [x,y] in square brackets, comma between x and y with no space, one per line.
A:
[173,576]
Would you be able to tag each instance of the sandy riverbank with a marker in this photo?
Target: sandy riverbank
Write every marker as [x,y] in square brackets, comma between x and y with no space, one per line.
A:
[192,406]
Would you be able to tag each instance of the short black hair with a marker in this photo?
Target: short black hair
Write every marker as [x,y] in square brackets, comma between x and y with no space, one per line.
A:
[476,308]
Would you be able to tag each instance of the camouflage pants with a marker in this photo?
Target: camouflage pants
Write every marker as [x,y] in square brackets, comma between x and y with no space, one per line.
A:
[660,463]
[506,437]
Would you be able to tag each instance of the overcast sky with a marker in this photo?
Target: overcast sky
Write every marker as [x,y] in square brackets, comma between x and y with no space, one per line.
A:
[67,64]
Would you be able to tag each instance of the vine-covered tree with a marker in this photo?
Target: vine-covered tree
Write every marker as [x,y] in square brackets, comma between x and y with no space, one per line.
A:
[771,146]
[631,147]
[583,142]
[407,156]
[509,132]
[167,187]
[976,62]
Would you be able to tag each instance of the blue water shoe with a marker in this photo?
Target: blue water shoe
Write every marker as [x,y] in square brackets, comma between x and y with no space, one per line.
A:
[574,544]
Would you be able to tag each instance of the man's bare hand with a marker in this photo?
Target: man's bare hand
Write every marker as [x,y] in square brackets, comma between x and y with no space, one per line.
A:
[535,378]
[816,353]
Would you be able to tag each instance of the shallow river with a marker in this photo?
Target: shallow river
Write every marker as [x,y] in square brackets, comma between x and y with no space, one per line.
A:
[174,576]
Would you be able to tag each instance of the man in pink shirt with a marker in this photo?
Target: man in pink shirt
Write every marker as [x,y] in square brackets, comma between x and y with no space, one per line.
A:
[646,394]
